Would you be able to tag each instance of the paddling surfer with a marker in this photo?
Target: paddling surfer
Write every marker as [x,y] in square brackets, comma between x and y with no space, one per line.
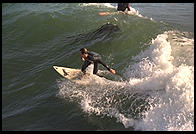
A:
[120,8]
[90,57]
[123,6]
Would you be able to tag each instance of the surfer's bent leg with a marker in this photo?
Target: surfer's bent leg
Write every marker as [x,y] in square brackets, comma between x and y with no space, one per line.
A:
[85,65]
[95,68]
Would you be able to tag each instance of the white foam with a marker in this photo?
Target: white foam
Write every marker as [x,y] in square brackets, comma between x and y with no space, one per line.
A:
[154,67]
[133,11]
[87,107]
[108,5]
[173,110]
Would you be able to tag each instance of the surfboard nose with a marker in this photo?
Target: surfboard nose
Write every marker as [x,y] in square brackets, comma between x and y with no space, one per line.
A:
[55,67]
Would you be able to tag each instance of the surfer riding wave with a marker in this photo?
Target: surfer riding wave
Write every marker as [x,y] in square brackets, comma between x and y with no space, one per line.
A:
[90,57]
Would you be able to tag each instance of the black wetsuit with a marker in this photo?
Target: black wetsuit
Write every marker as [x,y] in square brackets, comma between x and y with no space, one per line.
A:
[122,6]
[93,58]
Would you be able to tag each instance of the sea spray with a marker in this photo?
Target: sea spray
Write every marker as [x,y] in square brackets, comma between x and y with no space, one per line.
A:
[154,69]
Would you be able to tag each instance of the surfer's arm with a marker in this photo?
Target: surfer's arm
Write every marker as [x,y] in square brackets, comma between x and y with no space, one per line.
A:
[82,59]
[85,65]
[109,69]
[83,56]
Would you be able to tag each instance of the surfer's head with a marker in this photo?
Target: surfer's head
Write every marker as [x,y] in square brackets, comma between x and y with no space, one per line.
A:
[83,50]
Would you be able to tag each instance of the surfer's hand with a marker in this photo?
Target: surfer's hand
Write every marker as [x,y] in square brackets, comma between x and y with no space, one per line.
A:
[83,59]
[112,71]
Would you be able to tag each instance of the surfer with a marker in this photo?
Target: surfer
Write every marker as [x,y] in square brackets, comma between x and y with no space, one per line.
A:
[92,57]
[123,6]
[121,9]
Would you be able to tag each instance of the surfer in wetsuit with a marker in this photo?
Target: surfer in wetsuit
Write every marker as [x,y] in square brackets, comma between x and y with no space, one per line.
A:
[123,6]
[92,57]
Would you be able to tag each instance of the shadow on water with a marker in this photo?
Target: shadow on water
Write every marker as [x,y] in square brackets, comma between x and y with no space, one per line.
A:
[105,32]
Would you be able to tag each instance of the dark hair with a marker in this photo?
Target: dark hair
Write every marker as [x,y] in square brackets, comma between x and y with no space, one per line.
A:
[83,50]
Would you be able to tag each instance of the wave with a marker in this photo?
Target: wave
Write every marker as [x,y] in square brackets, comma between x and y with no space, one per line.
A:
[155,69]
[156,96]
[132,11]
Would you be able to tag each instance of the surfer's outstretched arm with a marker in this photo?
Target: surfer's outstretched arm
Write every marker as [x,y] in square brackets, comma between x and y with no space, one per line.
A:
[109,69]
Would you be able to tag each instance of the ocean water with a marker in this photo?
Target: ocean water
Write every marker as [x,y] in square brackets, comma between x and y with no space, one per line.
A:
[151,49]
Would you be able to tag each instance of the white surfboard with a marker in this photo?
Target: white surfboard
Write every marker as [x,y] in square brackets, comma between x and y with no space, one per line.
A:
[69,73]
[131,12]
[113,13]
[73,74]
[77,76]
[107,13]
